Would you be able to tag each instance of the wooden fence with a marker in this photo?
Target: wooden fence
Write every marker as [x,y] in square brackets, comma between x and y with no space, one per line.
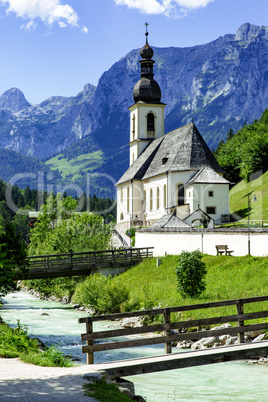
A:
[49,266]
[168,338]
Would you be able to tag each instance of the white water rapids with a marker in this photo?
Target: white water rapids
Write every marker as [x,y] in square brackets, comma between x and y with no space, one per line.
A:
[56,324]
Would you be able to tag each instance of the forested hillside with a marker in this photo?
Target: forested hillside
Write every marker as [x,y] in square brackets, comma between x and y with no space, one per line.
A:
[23,170]
[245,152]
[15,201]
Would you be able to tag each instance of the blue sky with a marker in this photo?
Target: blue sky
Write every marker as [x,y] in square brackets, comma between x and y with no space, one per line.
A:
[54,47]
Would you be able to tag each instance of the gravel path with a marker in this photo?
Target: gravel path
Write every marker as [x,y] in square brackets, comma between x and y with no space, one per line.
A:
[27,382]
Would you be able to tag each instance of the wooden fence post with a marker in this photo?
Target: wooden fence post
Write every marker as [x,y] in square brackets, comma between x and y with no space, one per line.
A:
[89,330]
[240,310]
[168,347]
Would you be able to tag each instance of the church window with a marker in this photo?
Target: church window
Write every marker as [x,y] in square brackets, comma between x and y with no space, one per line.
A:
[144,200]
[165,195]
[128,200]
[180,194]
[133,126]
[211,210]
[157,198]
[121,216]
[121,194]
[133,157]
[150,124]
[151,199]
[211,193]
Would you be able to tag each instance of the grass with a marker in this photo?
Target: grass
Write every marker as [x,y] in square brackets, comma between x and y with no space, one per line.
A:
[239,199]
[227,278]
[86,163]
[15,342]
[104,392]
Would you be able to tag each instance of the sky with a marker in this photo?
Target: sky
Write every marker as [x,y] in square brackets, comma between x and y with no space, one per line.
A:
[55,47]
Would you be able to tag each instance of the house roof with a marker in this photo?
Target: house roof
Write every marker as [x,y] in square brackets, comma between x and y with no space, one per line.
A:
[180,150]
[169,221]
[207,175]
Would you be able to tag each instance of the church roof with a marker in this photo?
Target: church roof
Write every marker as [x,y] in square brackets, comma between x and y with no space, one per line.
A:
[180,150]
[207,175]
[169,221]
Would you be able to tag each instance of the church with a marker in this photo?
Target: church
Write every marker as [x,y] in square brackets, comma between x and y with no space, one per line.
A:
[171,177]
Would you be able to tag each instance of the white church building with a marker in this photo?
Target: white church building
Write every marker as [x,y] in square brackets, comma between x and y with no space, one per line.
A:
[169,175]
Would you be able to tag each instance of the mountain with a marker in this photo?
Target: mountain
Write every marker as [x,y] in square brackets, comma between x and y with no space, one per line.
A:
[221,84]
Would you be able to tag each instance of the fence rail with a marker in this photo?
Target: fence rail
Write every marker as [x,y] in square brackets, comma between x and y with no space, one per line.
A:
[80,263]
[90,336]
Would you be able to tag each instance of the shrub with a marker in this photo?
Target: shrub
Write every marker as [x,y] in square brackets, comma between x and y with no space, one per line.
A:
[191,272]
[101,293]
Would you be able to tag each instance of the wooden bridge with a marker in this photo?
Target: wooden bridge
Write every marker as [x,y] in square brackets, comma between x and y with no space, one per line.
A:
[71,264]
[178,331]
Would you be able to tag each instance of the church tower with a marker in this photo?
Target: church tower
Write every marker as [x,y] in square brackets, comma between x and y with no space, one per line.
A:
[147,113]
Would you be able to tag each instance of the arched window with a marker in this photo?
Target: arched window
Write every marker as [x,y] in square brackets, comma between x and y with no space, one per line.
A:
[165,196]
[121,194]
[128,200]
[180,194]
[150,124]
[133,126]
[144,201]
[121,216]
[157,198]
[151,199]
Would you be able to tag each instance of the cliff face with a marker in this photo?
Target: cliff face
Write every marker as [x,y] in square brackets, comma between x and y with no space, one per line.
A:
[221,85]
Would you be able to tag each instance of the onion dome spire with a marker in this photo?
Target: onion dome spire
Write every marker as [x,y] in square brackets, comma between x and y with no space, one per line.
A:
[147,89]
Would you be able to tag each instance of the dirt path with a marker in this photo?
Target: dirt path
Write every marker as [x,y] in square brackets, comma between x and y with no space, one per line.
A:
[27,382]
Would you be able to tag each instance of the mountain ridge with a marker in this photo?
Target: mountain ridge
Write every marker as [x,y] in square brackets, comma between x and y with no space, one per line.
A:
[221,85]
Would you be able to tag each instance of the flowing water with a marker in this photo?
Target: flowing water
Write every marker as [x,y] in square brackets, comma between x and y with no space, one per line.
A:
[57,324]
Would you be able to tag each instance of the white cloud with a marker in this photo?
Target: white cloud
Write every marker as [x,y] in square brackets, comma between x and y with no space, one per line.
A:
[166,7]
[145,6]
[85,29]
[49,11]
[30,26]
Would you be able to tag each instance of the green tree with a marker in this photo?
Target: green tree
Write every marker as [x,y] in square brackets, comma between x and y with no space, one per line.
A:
[12,255]
[59,230]
[191,272]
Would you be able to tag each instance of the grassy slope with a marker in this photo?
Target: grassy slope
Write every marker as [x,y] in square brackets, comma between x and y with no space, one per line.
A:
[239,200]
[227,278]
[86,163]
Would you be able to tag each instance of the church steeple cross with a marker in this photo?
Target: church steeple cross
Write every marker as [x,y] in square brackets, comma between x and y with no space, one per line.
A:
[146,33]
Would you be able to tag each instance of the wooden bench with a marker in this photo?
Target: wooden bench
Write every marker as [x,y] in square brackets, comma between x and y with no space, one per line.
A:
[223,249]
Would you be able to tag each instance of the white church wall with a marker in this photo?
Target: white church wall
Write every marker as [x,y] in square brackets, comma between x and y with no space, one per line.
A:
[176,178]
[141,112]
[212,196]
[123,202]
[175,242]
[137,199]
[155,209]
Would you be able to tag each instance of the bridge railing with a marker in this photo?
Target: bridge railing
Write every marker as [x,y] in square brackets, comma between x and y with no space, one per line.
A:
[92,258]
[167,327]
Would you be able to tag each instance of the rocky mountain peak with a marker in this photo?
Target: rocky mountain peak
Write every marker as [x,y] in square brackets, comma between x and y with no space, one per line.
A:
[88,91]
[247,32]
[14,100]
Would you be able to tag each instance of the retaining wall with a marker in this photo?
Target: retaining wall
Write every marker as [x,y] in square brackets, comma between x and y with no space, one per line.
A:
[174,241]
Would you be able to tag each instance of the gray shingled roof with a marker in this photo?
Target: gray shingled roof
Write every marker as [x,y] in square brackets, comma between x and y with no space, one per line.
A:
[182,149]
[207,175]
[169,221]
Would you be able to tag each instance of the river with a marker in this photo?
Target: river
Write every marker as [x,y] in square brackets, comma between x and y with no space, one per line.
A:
[57,324]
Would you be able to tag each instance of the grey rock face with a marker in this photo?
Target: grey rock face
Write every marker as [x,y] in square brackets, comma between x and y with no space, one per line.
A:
[13,100]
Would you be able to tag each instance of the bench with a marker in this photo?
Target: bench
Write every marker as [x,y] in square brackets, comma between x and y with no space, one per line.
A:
[223,249]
